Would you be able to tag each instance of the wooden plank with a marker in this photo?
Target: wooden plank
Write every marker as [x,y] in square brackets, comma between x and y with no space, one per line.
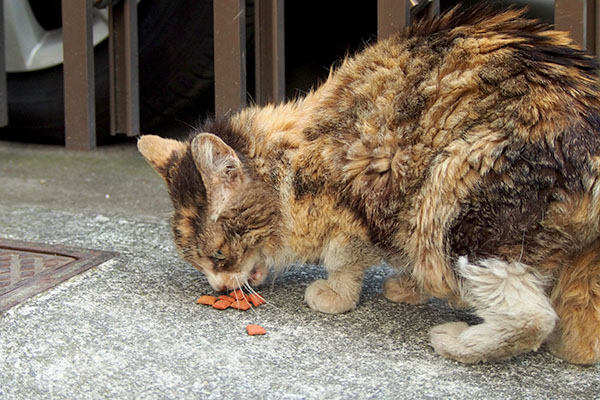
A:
[230,55]
[78,71]
[578,18]
[392,15]
[123,69]
[270,51]
[3,93]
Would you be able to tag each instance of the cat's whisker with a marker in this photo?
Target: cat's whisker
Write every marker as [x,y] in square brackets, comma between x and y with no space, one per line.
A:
[253,291]
[273,280]
[278,272]
[522,246]
[241,287]
[184,123]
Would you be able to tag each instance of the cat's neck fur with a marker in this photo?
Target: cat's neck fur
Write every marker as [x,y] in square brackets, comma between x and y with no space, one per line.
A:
[274,144]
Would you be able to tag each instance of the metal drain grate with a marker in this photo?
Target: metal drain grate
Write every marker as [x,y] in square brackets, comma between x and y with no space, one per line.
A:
[27,269]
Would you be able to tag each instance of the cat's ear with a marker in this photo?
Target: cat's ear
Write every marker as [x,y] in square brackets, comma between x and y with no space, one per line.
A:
[220,167]
[158,151]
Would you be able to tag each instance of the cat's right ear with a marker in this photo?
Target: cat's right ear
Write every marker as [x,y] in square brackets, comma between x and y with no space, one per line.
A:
[159,151]
[220,168]
[217,162]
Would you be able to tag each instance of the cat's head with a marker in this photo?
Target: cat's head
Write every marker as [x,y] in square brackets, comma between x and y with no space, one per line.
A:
[225,219]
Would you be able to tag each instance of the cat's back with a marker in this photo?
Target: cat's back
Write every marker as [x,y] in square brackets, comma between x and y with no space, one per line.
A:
[456,124]
[433,81]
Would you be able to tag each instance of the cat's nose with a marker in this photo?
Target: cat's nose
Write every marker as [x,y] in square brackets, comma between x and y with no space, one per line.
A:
[222,288]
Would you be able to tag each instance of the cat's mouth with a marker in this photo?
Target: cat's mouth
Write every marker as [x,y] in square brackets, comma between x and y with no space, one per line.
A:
[235,280]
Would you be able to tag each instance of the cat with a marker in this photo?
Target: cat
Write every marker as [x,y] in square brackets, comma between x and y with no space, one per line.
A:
[464,151]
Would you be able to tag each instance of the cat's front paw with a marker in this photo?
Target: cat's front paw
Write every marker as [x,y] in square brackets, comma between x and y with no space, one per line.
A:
[321,297]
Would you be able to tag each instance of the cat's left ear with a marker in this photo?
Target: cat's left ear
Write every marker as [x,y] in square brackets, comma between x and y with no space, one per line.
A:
[158,151]
[220,167]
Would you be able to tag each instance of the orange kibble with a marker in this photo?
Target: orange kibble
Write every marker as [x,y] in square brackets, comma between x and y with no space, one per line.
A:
[256,299]
[237,294]
[255,330]
[241,305]
[206,299]
[221,304]
[226,298]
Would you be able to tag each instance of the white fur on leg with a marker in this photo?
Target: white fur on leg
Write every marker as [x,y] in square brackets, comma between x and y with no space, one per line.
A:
[510,298]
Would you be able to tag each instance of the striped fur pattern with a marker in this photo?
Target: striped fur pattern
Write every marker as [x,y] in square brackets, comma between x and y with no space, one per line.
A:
[464,151]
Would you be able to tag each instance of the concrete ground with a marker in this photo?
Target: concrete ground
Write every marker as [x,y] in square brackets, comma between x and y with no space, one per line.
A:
[130,329]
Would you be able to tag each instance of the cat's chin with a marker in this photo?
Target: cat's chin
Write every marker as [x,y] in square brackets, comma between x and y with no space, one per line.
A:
[257,275]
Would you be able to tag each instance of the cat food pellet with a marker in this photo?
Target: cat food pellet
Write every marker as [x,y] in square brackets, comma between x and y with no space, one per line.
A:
[237,294]
[226,298]
[206,299]
[256,299]
[241,305]
[255,330]
[236,299]
[221,304]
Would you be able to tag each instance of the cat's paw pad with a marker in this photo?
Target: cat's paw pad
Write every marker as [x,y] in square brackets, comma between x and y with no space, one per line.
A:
[445,340]
[401,289]
[319,296]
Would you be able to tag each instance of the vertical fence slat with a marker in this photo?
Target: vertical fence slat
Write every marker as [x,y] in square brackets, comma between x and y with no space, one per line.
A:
[392,15]
[230,55]
[123,71]
[270,51]
[3,94]
[577,18]
[78,71]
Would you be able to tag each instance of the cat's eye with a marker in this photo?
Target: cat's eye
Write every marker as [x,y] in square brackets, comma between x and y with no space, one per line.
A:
[218,255]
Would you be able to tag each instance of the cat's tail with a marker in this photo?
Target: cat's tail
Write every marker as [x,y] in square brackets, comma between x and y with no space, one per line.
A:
[576,300]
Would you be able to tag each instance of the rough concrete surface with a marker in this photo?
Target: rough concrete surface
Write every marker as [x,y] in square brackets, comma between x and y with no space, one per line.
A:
[130,328]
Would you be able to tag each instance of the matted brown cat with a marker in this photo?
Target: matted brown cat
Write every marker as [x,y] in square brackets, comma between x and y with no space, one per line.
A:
[463,151]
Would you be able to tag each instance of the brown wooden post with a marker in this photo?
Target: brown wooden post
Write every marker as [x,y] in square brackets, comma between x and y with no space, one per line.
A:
[78,72]
[579,19]
[434,8]
[123,71]
[270,51]
[230,55]
[597,30]
[3,94]
[392,15]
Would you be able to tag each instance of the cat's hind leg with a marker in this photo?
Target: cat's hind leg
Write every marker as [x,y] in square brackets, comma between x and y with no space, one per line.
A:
[576,299]
[510,298]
